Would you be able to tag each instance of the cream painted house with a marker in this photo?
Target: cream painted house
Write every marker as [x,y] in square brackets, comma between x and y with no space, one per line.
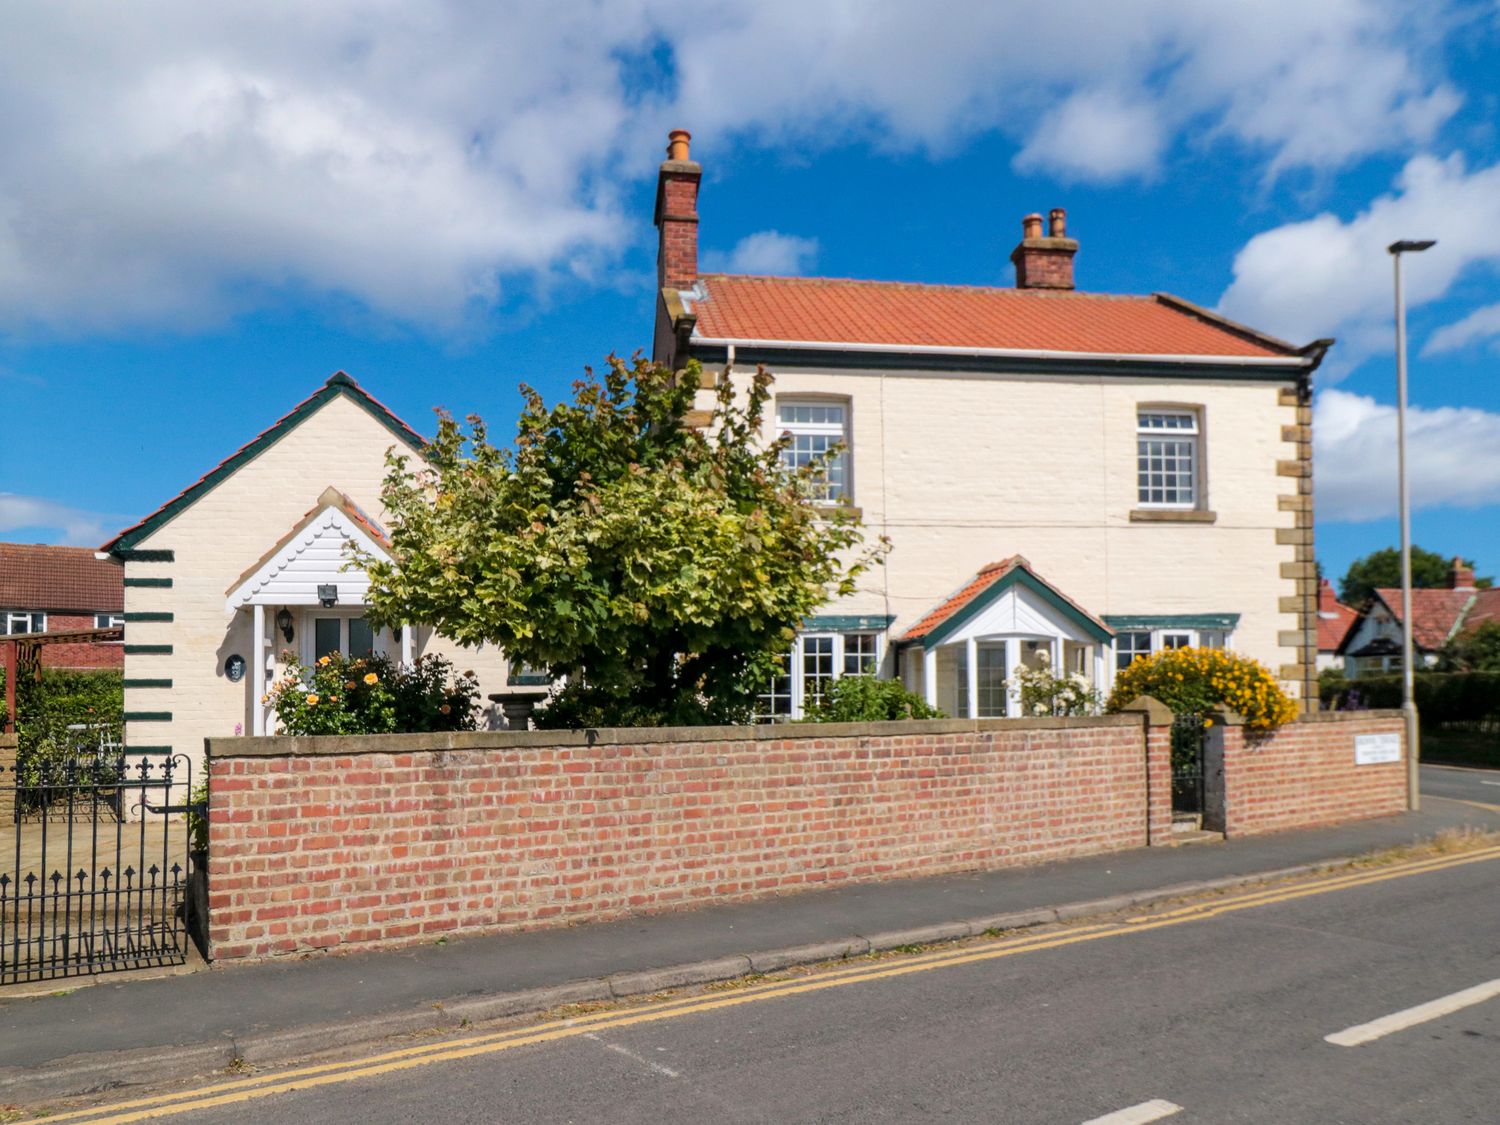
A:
[1147,460]
[248,564]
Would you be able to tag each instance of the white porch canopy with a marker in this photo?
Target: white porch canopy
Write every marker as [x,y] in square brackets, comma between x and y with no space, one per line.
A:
[315,553]
[1006,616]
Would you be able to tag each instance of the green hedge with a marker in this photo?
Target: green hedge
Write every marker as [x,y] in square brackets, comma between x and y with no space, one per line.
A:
[63,698]
[1442,697]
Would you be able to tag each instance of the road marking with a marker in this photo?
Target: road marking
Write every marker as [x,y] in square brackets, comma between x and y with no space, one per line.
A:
[388,1062]
[1154,1110]
[665,1071]
[1483,782]
[1422,1013]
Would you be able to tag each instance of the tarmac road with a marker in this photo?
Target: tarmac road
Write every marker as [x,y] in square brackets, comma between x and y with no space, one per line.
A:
[1216,1014]
[1456,784]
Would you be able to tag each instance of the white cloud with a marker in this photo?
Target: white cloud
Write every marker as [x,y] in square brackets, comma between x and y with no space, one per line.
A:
[170,163]
[71,526]
[765,252]
[1481,324]
[1327,277]
[1453,454]
[1096,135]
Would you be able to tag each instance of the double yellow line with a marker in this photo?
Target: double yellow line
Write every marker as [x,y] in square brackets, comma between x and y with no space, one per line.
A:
[310,1077]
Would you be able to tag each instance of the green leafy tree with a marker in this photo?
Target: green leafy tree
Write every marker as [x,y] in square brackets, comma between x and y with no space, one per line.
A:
[661,568]
[1477,650]
[1383,569]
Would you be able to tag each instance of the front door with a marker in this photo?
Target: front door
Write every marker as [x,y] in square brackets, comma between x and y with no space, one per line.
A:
[326,632]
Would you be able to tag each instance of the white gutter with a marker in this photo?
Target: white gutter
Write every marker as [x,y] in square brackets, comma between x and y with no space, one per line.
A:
[1006,353]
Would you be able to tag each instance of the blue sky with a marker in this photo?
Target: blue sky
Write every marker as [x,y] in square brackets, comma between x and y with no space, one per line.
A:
[206,210]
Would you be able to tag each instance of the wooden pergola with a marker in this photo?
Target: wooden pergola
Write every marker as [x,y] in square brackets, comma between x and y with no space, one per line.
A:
[21,655]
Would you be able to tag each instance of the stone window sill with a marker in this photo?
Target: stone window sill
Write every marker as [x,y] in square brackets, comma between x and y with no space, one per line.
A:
[829,510]
[1172,515]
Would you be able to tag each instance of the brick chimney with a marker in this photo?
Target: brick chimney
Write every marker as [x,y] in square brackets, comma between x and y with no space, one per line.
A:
[1460,575]
[677,215]
[1044,263]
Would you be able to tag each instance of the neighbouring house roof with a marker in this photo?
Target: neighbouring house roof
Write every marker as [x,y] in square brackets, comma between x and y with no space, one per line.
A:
[831,312]
[993,580]
[1334,618]
[1436,614]
[57,579]
[1486,608]
[312,552]
[338,385]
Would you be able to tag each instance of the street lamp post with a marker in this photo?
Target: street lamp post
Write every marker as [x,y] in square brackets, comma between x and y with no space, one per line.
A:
[1408,649]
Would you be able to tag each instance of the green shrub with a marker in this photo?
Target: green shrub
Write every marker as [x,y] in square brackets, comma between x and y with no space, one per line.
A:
[864,699]
[1442,697]
[372,695]
[90,702]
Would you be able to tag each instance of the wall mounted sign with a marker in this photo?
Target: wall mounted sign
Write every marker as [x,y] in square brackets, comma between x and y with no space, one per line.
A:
[1373,749]
[234,668]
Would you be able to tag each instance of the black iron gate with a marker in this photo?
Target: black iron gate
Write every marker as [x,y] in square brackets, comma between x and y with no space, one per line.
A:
[96,876]
[1189,733]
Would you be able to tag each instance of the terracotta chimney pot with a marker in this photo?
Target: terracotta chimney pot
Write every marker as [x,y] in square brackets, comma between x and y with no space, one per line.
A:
[677,144]
[1031,226]
[1058,225]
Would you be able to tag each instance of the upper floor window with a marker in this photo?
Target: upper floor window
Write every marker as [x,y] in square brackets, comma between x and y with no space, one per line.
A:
[816,426]
[1167,458]
[108,620]
[14,621]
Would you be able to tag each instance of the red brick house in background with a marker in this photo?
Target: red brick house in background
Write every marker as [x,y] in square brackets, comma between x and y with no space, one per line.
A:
[46,589]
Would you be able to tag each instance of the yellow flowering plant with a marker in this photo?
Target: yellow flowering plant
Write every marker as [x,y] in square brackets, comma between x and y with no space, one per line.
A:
[1194,681]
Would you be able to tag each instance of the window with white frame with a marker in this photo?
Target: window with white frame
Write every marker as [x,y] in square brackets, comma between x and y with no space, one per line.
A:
[990,676]
[1167,458]
[1143,642]
[108,620]
[16,621]
[1130,646]
[810,668]
[813,427]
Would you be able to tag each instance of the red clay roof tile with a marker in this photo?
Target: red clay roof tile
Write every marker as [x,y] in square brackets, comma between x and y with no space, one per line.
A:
[1434,612]
[1334,618]
[829,310]
[54,579]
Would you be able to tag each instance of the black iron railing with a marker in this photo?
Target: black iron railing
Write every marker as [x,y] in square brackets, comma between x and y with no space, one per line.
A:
[1189,733]
[96,875]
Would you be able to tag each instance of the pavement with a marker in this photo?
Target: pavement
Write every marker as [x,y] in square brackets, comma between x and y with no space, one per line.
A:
[124,1030]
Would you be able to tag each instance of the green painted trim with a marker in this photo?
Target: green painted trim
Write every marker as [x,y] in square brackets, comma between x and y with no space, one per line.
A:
[527,679]
[123,545]
[153,616]
[142,554]
[148,716]
[783,359]
[1128,623]
[153,583]
[847,623]
[148,650]
[982,600]
[145,683]
[147,750]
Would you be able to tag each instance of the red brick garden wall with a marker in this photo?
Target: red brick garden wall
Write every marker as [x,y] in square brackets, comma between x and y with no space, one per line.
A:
[1304,775]
[360,842]
[316,845]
